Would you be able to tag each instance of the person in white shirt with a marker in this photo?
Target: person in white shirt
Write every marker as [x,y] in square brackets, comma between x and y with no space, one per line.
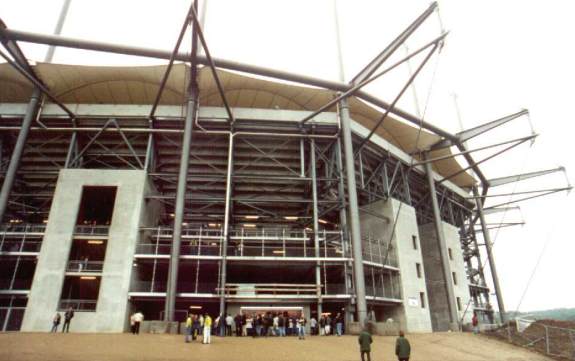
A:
[138,319]
[229,323]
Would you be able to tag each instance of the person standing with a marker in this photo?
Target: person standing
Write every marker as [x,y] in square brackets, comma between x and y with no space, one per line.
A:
[282,325]
[68,316]
[138,319]
[229,323]
[475,323]
[238,323]
[339,324]
[328,325]
[301,327]
[402,347]
[196,327]
[249,328]
[207,329]
[313,325]
[201,319]
[132,324]
[276,321]
[365,342]
[55,322]
[189,327]
[322,325]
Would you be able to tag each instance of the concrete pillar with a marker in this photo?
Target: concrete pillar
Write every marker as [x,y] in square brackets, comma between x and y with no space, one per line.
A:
[443,256]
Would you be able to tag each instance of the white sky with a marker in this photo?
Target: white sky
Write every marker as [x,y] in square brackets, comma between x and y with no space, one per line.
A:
[500,57]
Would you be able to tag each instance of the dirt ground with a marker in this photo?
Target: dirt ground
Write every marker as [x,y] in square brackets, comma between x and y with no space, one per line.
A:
[127,347]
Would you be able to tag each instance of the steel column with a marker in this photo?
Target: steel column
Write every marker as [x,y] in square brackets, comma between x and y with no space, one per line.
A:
[10,176]
[180,200]
[226,227]
[312,167]
[359,278]
[443,256]
[487,239]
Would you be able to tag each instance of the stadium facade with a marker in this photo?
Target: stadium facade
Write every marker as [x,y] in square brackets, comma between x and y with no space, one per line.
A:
[228,192]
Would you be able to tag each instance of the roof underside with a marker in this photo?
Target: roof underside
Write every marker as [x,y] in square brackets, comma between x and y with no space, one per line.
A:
[139,85]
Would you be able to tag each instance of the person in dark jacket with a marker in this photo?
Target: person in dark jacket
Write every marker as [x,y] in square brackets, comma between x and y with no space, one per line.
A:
[365,342]
[68,316]
[402,347]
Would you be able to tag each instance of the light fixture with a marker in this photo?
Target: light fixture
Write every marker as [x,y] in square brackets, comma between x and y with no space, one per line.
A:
[88,278]
[213,224]
[134,264]
[322,221]
[213,244]
[196,307]
[95,241]
[249,225]
[291,218]
[278,251]
[252,217]
[185,224]
[308,229]
[172,215]
[337,250]
[45,221]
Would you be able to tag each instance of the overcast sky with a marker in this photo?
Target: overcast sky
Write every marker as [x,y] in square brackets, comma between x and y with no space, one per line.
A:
[500,57]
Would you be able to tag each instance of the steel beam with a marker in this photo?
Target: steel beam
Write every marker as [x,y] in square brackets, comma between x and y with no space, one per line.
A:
[359,278]
[225,238]
[220,63]
[312,168]
[491,259]
[442,246]
[366,72]
[191,112]
[16,156]
[392,105]
[519,177]
[465,135]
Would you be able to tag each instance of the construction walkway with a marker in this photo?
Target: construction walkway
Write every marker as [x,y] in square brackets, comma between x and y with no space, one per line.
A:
[127,347]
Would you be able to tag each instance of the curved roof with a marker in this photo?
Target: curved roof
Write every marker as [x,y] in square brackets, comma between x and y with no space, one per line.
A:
[139,85]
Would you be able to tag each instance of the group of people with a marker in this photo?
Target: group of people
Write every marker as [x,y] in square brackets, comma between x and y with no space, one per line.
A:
[68,316]
[327,325]
[402,346]
[199,325]
[255,325]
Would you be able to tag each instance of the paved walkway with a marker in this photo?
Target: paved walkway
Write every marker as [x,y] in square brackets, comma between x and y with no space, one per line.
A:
[127,347]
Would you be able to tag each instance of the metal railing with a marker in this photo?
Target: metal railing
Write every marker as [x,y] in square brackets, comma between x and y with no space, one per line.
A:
[21,245]
[15,284]
[266,242]
[269,289]
[378,251]
[78,305]
[546,336]
[183,287]
[85,266]
[22,228]
[87,230]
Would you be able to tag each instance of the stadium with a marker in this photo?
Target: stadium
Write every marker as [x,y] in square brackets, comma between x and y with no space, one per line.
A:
[226,187]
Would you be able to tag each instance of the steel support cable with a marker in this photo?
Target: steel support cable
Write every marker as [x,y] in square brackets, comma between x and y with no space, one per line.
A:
[422,117]
[550,235]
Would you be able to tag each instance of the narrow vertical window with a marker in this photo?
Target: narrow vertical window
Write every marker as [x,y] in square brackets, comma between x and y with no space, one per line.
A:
[458,304]
[454,278]
[422,299]
[418,269]
[414,240]
[450,254]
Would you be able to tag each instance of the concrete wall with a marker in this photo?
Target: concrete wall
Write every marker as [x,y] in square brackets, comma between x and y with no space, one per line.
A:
[111,311]
[411,315]
[436,282]
[457,264]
